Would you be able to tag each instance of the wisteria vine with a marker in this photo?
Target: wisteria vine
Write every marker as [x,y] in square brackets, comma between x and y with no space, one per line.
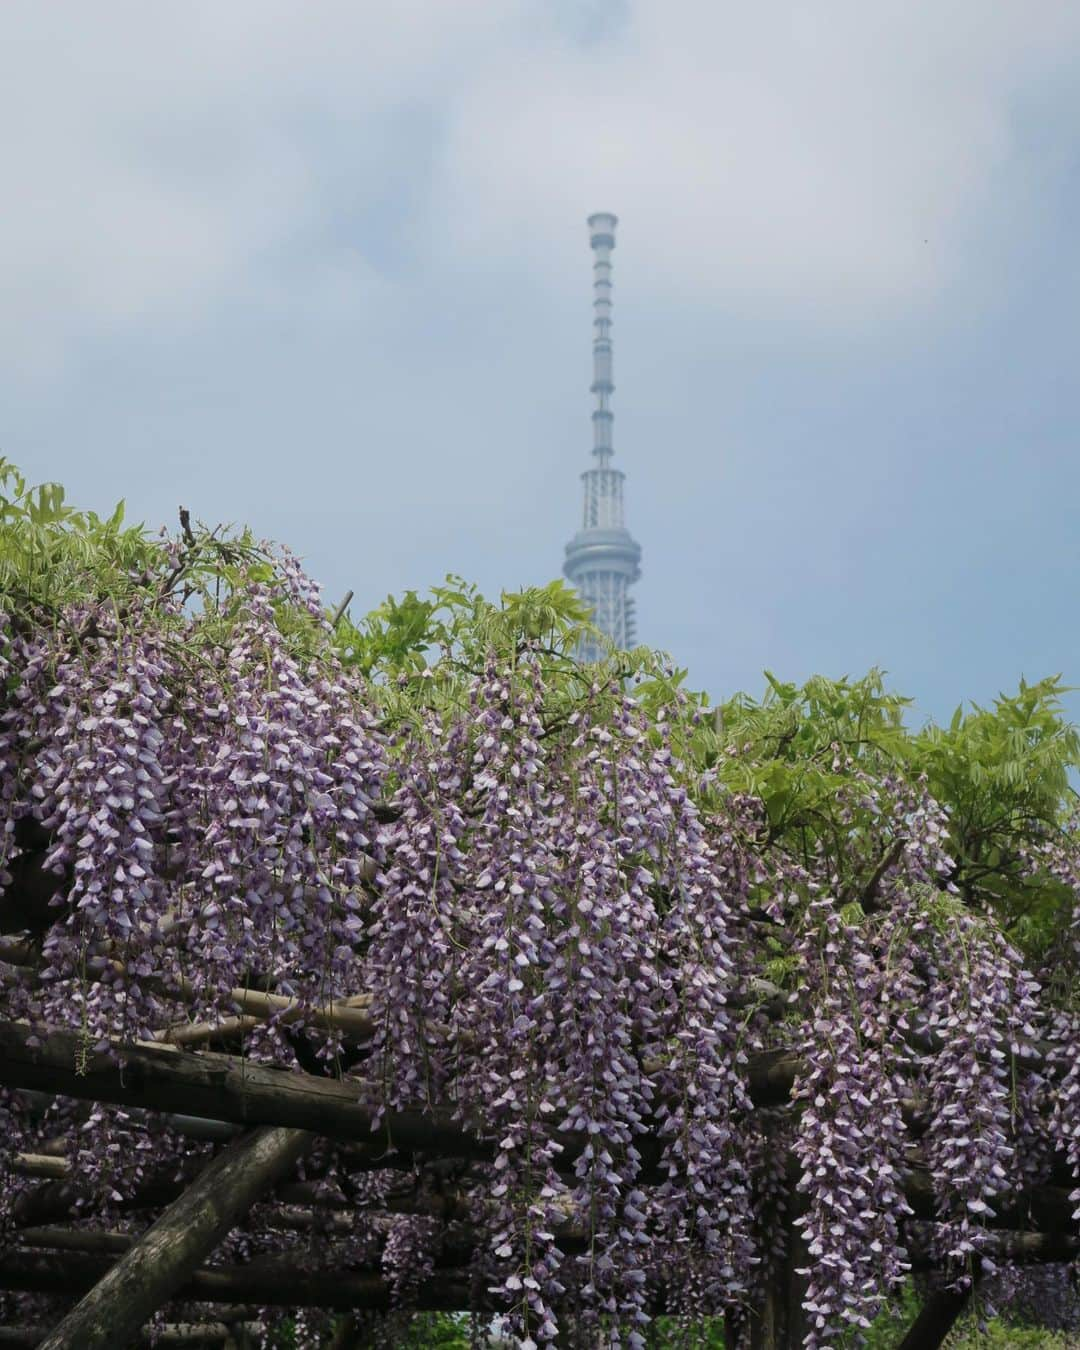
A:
[569,932]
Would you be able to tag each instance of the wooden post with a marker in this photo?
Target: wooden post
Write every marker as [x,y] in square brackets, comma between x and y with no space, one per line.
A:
[780,1322]
[163,1259]
[936,1319]
[765,1323]
[798,1258]
[355,1331]
[345,1333]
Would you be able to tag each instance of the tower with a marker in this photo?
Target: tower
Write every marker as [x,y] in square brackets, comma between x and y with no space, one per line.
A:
[603,559]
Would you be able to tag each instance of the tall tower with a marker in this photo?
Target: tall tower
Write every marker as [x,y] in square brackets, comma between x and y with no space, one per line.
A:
[603,559]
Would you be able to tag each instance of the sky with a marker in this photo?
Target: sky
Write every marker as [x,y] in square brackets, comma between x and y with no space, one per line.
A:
[322,267]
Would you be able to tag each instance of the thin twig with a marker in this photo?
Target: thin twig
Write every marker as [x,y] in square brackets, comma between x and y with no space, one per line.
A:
[336,618]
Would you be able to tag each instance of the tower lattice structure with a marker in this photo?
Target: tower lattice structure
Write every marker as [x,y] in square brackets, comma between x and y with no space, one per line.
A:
[603,560]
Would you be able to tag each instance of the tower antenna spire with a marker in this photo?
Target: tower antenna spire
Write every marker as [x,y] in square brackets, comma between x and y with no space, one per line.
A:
[603,559]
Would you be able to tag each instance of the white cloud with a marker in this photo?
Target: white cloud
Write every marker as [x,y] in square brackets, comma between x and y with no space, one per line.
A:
[156,155]
[778,156]
[834,159]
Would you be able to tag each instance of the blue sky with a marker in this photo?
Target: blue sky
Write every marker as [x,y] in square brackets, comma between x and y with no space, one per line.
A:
[322,267]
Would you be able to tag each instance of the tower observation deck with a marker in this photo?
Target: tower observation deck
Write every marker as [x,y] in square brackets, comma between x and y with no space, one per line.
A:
[603,559]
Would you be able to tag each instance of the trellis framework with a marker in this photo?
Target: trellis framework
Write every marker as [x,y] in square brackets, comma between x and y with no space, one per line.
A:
[272,1119]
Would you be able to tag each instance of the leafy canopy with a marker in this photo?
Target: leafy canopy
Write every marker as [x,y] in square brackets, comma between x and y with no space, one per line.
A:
[1002,772]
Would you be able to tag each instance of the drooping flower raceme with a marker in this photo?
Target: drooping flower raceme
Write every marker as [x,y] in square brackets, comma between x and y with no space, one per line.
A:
[556,929]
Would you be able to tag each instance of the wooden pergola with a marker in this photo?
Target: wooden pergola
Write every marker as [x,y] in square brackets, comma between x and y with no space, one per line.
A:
[269,1119]
[274,1116]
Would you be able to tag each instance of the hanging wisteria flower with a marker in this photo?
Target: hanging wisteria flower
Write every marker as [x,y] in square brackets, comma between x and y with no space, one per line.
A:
[583,929]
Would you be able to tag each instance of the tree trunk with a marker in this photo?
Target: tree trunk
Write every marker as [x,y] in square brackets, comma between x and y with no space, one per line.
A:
[163,1259]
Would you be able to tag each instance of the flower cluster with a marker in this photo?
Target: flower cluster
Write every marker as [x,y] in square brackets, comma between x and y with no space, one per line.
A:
[548,925]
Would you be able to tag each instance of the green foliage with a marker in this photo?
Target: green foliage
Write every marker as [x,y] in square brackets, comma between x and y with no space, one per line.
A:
[54,558]
[418,1331]
[1002,772]
[437,1331]
[789,747]
[419,652]
[47,548]
[52,555]
[669,1333]
[891,1324]
[1001,1335]
[393,639]
[456,628]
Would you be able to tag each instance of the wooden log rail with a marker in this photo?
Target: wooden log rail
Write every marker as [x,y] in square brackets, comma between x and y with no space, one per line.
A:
[280,1283]
[1005,1245]
[172,1336]
[106,1242]
[162,1077]
[58,1198]
[350,1016]
[1048,1207]
[223,1087]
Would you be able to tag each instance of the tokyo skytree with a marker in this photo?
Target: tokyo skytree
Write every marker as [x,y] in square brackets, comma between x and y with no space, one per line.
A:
[603,559]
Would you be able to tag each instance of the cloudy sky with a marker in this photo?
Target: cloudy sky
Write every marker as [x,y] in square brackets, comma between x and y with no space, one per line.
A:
[322,267]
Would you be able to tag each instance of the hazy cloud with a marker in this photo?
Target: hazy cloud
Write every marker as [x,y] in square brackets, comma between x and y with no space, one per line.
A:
[834,160]
[322,266]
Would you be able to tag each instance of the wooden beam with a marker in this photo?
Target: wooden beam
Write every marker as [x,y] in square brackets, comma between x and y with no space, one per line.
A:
[60,1199]
[182,1335]
[221,1087]
[41,1165]
[269,1284]
[1009,1248]
[1049,1208]
[199,1033]
[350,1017]
[56,1200]
[76,1240]
[275,1282]
[163,1259]
[225,1087]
